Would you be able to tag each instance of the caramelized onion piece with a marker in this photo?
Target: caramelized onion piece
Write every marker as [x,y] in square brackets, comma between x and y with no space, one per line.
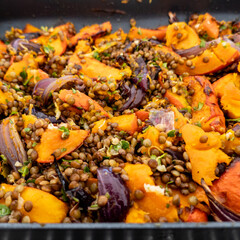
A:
[11,145]
[111,185]
[46,87]
[23,44]
[220,212]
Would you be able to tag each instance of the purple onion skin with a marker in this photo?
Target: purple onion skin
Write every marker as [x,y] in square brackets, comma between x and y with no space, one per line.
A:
[119,201]
[141,74]
[20,44]
[138,98]
[220,212]
[197,49]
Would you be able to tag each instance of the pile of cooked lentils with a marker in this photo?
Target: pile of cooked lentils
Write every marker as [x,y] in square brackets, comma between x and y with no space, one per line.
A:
[104,126]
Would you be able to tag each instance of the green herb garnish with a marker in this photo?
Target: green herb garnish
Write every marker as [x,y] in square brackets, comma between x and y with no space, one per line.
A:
[199,107]
[171,133]
[4,210]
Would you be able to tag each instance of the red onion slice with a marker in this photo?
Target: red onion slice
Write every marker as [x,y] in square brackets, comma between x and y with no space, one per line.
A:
[118,203]
[11,145]
[46,87]
[221,213]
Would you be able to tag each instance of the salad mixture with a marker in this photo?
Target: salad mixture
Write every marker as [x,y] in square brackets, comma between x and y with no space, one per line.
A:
[137,127]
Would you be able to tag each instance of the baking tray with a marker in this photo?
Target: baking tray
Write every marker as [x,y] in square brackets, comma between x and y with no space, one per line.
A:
[83,12]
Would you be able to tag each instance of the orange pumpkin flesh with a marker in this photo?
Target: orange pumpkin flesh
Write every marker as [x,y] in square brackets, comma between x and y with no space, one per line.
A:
[46,207]
[51,141]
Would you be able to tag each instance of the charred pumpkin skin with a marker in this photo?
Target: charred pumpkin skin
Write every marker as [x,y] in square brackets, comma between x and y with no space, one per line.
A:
[193,215]
[210,116]
[118,36]
[93,31]
[46,207]
[59,44]
[206,24]
[226,188]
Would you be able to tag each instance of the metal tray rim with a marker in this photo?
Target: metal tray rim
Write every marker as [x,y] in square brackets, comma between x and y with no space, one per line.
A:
[125,226]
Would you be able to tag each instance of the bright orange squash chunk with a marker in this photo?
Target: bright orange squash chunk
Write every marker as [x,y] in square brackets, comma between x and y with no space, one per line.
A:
[46,207]
[81,100]
[51,141]
[127,123]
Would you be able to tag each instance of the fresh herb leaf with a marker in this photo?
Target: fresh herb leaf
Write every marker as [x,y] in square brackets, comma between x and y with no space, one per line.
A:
[145,130]
[47,49]
[54,74]
[23,74]
[24,170]
[125,144]
[223,27]
[86,169]
[171,133]
[31,181]
[139,31]
[75,199]
[202,43]
[199,107]
[107,195]
[124,65]
[13,113]
[74,91]
[63,129]
[64,196]
[4,210]
[34,144]
[117,147]
[186,110]
[164,65]
[11,121]
[97,56]
[94,206]
[198,124]
[233,120]
[63,149]
[27,129]
[106,54]
[27,81]
[160,157]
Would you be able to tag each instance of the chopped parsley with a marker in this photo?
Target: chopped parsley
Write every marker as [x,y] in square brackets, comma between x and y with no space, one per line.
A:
[23,74]
[202,43]
[27,129]
[171,133]
[4,210]
[74,91]
[199,107]
[86,169]
[97,56]
[139,31]
[47,49]
[198,124]
[63,150]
